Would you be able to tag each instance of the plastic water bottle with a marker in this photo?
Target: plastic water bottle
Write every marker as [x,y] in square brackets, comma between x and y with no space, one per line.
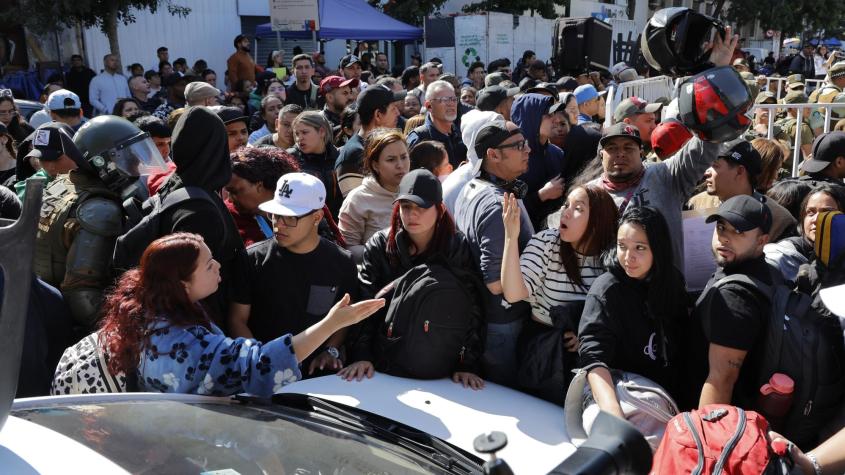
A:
[775,398]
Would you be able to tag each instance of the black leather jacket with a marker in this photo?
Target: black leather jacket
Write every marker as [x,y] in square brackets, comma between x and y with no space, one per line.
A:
[377,271]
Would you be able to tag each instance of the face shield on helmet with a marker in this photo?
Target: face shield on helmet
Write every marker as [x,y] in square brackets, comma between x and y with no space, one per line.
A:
[138,156]
[714,104]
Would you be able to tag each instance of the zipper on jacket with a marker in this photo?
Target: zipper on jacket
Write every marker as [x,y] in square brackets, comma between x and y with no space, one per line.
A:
[390,330]
[425,326]
[463,350]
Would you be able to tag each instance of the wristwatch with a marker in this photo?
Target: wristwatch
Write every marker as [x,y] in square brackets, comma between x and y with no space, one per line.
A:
[333,351]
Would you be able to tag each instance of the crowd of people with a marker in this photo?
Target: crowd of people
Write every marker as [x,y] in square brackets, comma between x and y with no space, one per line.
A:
[300,200]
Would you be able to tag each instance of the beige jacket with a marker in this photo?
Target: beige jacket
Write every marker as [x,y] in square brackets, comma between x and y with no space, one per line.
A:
[365,211]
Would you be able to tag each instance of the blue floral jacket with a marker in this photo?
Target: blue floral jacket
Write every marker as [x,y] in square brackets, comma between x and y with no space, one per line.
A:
[200,361]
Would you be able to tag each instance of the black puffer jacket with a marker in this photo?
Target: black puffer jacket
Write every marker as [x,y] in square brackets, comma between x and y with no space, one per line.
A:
[322,166]
[376,272]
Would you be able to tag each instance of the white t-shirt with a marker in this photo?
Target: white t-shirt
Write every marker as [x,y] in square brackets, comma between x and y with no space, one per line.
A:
[547,281]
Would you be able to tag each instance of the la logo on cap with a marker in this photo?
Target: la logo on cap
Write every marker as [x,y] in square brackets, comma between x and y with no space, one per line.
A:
[285,190]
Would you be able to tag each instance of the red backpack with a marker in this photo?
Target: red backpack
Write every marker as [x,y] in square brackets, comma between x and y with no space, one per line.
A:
[717,439]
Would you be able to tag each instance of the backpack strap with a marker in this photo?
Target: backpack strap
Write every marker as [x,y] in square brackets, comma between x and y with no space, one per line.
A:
[699,446]
[726,452]
[747,281]
[183,194]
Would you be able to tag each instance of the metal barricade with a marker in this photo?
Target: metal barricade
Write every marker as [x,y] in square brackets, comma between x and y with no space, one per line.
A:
[779,85]
[812,84]
[803,110]
[648,89]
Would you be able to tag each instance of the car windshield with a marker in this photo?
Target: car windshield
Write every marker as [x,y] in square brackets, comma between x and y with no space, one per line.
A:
[165,437]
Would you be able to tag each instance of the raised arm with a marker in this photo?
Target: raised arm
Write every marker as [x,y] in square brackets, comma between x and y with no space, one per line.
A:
[513,285]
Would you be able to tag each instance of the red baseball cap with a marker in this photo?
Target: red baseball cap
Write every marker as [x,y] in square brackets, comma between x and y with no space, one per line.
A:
[331,83]
[668,137]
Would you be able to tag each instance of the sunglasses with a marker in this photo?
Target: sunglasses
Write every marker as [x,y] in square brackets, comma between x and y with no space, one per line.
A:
[519,145]
[289,221]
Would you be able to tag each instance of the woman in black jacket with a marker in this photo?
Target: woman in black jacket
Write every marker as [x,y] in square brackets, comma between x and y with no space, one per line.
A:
[421,231]
[634,313]
[313,148]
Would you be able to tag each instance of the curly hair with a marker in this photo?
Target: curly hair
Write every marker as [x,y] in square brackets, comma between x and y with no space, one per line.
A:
[148,293]
[263,165]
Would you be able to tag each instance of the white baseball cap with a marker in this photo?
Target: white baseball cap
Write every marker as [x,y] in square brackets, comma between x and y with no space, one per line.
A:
[63,99]
[296,194]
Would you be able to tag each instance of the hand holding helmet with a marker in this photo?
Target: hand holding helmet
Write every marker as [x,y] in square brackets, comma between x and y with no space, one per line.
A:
[680,41]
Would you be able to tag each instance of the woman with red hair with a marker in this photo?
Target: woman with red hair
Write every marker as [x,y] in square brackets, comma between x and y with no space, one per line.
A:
[421,232]
[154,326]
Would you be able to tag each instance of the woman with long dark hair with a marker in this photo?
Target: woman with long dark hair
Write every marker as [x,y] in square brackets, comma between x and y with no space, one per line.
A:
[554,273]
[421,231]
[154,325]
[634,314]
[789,254]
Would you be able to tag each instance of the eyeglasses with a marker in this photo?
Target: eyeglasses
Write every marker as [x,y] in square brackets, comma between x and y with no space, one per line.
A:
[446,100]
[519,145]
[289,221]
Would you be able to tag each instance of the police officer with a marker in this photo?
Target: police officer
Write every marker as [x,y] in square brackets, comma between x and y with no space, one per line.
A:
[81,213]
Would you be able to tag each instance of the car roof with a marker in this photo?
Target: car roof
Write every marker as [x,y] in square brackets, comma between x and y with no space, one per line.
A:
[537,439]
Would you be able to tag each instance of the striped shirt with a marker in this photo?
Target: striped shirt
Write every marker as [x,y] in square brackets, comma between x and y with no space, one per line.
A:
[546,279]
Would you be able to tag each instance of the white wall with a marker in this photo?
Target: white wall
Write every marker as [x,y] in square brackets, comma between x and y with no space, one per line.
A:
[206,33]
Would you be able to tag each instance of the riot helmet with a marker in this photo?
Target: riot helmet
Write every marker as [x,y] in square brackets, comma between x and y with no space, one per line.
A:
[117,151]
[714,104]
[674,40]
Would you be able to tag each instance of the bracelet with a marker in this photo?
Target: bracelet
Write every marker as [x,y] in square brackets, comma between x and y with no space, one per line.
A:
[816,467]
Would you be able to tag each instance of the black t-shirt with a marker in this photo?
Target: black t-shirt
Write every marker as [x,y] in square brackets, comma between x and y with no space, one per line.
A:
[303,98]
[734,316]
[290,292]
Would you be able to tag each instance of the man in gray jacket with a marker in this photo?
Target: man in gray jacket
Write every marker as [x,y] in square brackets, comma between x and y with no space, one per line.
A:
[666,185]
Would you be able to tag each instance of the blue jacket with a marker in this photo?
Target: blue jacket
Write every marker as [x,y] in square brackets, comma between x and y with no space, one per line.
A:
[545,161]
[197,360]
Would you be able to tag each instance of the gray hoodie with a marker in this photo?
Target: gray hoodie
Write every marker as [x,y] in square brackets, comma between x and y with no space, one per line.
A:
[667,185]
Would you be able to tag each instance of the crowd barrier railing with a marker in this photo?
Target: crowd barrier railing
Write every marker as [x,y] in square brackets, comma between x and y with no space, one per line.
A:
[802,111]
[648,89]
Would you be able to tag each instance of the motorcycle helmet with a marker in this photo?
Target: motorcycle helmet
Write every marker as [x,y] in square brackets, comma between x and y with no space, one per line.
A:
[117,151]
[674,40]
[714,104]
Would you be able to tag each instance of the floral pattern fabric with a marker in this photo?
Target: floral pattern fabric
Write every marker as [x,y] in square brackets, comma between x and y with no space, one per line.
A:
[197,360]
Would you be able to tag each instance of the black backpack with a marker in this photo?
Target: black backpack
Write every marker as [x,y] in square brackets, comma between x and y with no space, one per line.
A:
[427,326]
[807,347]
[132,244]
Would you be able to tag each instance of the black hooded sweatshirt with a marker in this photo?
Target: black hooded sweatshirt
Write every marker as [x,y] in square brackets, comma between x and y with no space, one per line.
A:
[201,153]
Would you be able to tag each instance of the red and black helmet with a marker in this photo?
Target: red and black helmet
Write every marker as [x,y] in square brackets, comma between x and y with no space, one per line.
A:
[714,104]
[674,40]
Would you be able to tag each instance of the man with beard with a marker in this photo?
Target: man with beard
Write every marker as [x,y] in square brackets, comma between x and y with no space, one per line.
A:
[241,65]
[732,315]
[442,106]
[666,185]
[337,93]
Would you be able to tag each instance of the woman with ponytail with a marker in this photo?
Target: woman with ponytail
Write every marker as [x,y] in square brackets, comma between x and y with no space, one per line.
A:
[154,327]
[421,232]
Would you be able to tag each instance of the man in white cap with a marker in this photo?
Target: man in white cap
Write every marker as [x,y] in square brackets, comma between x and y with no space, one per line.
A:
[293,279]
[201,93]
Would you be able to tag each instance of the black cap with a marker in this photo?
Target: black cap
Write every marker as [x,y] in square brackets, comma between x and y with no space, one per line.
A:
[348,60]
[230,114]
[491,136]
[490,97]
[51,141]
[567,83]
[420,187]
[745,213]
[527,83]
[545,88]
[375,97]
[744,154]
[826,148]
[620,129]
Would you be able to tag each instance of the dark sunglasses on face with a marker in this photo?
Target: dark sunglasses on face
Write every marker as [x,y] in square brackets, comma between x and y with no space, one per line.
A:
[519,145]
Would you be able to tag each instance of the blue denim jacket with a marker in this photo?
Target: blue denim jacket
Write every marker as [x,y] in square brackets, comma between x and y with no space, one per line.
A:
[197,360]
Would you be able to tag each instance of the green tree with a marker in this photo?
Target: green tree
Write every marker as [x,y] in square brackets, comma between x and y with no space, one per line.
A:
[44,16]
[789,16]
[409,11]
[544,8]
